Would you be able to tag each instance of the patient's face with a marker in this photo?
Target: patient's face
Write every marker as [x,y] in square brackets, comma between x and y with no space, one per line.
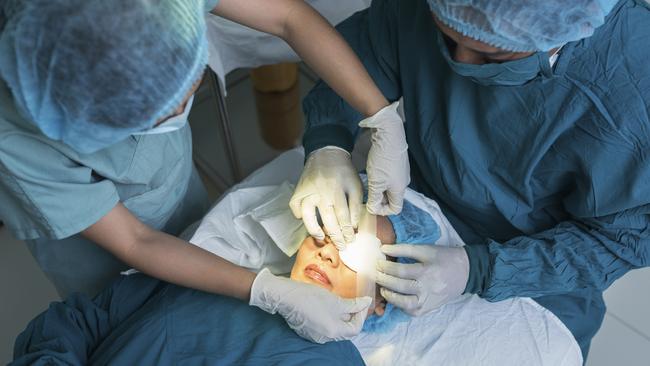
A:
[318,263]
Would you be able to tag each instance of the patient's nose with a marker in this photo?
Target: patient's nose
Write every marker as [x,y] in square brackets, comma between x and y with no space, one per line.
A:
[330,254]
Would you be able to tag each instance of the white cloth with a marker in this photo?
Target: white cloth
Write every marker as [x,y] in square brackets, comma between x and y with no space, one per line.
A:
[278,221]
[253,227]
[468,331]
[472,331]
[233,46]
[235,228]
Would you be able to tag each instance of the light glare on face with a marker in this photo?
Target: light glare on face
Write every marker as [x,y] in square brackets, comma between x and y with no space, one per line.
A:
[362,254]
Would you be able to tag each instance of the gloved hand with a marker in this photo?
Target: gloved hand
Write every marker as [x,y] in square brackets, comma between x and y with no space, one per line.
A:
[311,311]
[440,275]
[327,178]
[388,163]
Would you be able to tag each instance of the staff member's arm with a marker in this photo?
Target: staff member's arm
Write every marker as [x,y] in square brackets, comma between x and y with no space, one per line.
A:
[606,234]
[166,257]
[317,43]
[573,256]
[329,180]
[312,312]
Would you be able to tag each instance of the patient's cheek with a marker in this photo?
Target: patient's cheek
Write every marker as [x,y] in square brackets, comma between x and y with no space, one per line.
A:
[346,283]
[385,231]
[380,308]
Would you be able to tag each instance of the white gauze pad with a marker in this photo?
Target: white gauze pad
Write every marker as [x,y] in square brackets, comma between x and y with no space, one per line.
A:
[363,253]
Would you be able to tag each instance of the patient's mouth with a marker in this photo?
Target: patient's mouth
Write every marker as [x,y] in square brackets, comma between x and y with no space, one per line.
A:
[312,271]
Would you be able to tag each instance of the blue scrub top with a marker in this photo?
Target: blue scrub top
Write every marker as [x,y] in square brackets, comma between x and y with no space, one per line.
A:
[211,4]
[47,190]
[552,177]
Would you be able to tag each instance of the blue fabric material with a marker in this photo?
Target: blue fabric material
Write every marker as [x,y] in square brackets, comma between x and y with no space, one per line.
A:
[143,321]
[90,73]
[411,226]
[385,323]
[509,73]
[49,193]
[48,190]
[76,264]
[523,25]
[551,175]
[414,226]
[210,4]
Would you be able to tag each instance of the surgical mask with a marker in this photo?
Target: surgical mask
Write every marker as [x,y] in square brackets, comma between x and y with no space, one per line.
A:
[511,73]
[171,124]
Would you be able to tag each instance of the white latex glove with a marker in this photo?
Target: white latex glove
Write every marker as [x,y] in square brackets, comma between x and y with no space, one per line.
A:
[311,311]
[330,183]
[388,163]
[440,275]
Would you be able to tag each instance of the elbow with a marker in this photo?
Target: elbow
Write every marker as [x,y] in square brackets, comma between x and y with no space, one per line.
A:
[288,25]
[138,238]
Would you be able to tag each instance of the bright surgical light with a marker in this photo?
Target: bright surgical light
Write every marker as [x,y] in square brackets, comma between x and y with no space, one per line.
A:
[362,254]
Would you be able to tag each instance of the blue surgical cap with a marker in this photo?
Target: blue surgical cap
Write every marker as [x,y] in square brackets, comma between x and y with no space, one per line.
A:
[413,226]
[91,72]
[523,25]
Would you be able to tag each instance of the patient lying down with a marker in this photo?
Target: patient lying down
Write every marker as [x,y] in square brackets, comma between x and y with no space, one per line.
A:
[144,321]
[318,263]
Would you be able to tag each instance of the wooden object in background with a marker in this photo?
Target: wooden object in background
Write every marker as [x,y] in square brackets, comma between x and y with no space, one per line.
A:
[277,98]
[275,78]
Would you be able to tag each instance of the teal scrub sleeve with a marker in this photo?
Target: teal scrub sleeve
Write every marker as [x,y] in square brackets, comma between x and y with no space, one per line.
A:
[44,193]
[329,119]
[607,235]
[68,332]
[210,5]
[572,256]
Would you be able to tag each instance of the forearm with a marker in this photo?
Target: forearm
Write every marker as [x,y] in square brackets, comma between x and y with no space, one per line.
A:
[327,53]
[315,41]
[329,120]
[166,257]
[176,261]
[561,260]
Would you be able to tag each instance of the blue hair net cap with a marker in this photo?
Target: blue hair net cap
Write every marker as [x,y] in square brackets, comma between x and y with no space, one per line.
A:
[413,226]
[91,72]
[523,25]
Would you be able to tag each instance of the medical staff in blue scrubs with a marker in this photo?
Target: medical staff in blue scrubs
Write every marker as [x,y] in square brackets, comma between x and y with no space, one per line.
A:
[95,152]
[529,122]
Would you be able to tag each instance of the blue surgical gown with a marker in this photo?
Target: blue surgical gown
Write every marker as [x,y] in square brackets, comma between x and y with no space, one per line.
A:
[548,182]
[49,194]
[141,321]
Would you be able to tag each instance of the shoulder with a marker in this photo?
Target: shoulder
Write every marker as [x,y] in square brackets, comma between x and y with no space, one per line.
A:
[611,71]
[616,55]
[22,146]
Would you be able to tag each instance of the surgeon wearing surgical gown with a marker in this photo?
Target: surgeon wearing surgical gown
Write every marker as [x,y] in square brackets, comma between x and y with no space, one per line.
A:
[95,152]
[529,123]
